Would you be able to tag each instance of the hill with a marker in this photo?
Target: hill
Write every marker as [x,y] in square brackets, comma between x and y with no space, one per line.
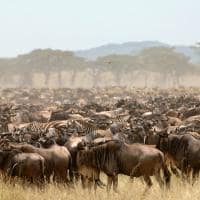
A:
[134,48]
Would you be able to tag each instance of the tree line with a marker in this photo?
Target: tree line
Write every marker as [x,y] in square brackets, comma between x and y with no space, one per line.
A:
[158,66]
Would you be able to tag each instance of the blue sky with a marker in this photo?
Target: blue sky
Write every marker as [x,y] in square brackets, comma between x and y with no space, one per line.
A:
[78,24]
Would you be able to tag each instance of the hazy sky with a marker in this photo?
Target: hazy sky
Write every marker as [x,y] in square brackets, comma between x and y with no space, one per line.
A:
[77,24]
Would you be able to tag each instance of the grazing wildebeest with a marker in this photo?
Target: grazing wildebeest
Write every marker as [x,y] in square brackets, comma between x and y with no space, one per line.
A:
[184,150]
[115,157]
[58,160]
[29,166]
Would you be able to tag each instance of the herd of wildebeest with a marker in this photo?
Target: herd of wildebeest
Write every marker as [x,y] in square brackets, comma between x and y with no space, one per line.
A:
[73,135]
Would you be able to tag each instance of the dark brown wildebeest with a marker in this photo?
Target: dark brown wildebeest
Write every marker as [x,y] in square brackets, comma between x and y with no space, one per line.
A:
[115,157]
[74,144]
[184,150]
[58,160]
[29,166]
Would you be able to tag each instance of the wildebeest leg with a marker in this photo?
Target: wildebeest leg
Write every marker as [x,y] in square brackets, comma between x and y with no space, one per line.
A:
[90,183]
[185,169]
[74,176]
[195,174]
[174,171]
[61,175]
[95,186]
[186,174]
[109,183]
[99,183]
[42,178]
[166,175]
[32,180]
[83,182]
[115,183]
[159,179]
[134,170]
[148,181]
[48,178]
[71,175]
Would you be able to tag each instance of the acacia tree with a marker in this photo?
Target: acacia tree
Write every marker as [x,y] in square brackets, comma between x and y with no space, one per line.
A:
[167,62]
[75,65]
[97,68]
[21,65]
[49,61]
[36,61]
[122,67]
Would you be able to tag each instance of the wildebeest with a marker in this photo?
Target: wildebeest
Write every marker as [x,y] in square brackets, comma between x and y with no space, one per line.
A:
[184,150]
[115,157]
[74,144]
[57,158]
[29,166]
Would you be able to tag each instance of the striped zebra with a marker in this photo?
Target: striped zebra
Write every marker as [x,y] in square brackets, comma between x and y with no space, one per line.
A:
[89,128]
[92,131]
[44,127]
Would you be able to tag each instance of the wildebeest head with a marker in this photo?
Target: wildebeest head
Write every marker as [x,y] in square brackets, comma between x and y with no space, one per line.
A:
[163,141]
[6,155]
[99,155]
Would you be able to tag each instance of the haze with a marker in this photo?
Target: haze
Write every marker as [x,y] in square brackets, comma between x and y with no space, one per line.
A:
[75,24]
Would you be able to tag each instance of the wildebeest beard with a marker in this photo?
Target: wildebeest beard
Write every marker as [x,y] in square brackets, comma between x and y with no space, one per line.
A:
[102,157]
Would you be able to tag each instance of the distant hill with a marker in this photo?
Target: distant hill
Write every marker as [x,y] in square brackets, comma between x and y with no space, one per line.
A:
[124,48]
[133,48]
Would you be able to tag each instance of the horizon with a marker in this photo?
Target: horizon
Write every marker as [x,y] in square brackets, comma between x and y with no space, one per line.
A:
[74,25]
[103,45]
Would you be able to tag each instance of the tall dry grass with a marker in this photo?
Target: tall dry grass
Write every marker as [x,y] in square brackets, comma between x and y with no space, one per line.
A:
[179,191]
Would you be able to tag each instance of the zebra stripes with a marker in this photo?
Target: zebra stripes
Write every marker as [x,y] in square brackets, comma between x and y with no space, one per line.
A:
[90,129]
[43,127]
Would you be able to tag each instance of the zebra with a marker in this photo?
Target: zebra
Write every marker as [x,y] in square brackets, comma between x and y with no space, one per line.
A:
[92,131]
[44,128]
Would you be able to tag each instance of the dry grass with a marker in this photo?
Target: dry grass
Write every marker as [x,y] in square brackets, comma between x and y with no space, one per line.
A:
[128,190]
